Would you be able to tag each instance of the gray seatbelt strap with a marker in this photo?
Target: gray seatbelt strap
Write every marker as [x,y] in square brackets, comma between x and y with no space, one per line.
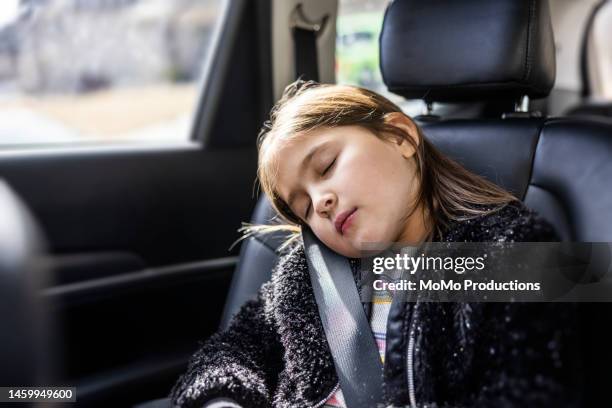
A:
[306,61]
[347,330]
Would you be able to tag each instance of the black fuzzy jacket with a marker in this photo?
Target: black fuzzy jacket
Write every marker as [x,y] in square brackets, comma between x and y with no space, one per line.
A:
[461,354]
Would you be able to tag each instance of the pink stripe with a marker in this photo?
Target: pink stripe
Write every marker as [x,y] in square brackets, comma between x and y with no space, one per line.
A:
[333,401]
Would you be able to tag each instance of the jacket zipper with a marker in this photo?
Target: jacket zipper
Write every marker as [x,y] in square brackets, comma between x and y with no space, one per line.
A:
[320,403]
[410,359]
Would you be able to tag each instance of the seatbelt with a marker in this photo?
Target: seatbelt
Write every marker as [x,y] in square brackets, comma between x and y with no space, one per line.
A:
[305,34]
[346,327]
[306,61]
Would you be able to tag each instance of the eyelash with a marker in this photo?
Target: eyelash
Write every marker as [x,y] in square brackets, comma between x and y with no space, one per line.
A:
[324,172]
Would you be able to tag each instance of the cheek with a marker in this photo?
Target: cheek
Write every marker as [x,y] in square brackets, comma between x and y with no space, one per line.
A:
[383,186]
[362,173]
[380,180]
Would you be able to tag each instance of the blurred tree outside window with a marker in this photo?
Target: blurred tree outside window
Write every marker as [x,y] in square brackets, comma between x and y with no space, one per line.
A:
[78,71]
[357,52]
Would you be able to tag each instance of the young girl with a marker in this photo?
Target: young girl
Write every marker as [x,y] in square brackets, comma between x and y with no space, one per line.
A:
[347,163]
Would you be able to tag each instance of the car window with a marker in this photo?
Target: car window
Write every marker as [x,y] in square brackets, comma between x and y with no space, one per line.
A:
[110,71]
[357,52]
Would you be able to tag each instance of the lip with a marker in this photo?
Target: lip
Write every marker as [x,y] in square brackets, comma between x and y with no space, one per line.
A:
[341,220]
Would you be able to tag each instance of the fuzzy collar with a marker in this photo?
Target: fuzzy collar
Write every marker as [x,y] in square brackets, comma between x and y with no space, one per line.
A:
[310,376]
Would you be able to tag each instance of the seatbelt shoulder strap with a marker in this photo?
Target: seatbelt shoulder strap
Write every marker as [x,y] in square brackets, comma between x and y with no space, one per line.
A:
[346,327]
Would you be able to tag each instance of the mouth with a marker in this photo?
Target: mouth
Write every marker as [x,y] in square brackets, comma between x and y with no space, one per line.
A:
[343,220]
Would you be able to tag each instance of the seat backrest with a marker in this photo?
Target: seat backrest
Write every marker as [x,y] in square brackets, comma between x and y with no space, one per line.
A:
[560,167]
[256,260]
[447,50]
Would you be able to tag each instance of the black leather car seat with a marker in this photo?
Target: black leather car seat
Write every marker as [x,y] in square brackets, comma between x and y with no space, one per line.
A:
[445,50]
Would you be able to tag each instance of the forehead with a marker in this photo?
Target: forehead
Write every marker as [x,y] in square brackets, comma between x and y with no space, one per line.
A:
[300,144]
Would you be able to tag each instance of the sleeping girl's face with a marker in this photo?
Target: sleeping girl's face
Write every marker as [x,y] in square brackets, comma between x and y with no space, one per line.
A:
[352,187]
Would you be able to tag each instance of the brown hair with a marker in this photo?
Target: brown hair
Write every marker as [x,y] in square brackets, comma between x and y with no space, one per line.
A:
[447,190]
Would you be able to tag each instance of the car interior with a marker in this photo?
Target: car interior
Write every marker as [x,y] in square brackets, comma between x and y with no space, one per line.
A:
[118,256]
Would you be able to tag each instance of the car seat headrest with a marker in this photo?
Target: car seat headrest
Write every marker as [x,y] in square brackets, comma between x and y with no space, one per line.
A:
[468,50]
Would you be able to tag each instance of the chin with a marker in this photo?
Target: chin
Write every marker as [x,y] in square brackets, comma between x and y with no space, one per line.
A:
[372,237]
[348,251]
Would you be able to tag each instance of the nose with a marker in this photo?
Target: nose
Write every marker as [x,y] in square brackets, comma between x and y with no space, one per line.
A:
[325,204]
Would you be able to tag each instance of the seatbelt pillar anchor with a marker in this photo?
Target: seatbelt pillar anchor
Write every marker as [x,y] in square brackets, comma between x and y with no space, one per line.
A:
[299,20]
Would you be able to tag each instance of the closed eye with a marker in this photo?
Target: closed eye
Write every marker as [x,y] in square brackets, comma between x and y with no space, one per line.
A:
[329,167]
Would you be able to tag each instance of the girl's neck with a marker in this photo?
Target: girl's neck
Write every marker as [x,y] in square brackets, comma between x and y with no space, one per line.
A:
[417,227]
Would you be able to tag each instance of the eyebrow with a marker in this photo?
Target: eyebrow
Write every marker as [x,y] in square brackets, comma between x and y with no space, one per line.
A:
[304,165]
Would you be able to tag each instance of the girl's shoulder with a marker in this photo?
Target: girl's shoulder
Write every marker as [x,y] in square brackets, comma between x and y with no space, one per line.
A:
[293,255]
[514,222]
[291,265]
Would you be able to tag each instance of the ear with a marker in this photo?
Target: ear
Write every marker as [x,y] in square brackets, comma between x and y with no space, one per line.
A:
[403,122]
